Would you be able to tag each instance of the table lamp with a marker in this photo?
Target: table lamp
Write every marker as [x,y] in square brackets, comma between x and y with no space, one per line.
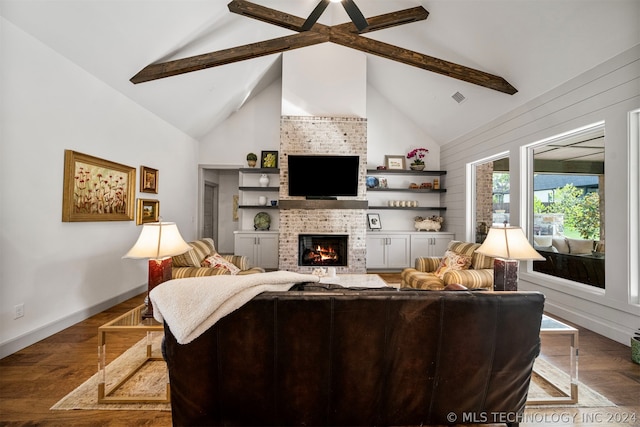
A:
[508,246]
[158,242]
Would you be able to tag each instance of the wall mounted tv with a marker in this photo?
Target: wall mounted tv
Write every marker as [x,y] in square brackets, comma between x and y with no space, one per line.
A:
[323,176]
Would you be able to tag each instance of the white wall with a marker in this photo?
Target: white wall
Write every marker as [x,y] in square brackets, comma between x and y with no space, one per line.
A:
[608,92]
[324,80]
[63,272]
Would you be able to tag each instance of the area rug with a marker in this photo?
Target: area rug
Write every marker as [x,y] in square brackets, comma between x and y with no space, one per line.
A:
[539,389]
[152,380]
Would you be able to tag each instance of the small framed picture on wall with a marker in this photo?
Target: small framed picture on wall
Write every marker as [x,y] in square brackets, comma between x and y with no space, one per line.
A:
[148,180]
[269,159]
[148,211]
[394,162]
[374,221]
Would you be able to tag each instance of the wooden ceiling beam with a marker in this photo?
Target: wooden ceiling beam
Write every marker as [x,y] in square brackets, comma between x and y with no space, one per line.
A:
[266,14]
[227,56]
[423,61]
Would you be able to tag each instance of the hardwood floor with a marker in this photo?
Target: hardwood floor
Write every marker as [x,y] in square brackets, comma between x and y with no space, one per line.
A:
[35,378]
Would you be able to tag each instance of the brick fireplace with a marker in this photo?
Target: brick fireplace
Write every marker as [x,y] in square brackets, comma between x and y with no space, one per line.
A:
[345,216]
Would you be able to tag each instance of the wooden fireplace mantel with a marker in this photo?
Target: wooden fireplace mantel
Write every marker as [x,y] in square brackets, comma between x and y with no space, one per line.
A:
[323,204]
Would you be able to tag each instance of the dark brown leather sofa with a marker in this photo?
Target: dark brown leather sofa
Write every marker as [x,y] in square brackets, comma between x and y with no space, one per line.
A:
[360,358]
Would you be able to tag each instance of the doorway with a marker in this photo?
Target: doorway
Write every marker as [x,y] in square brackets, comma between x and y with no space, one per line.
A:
[210,211]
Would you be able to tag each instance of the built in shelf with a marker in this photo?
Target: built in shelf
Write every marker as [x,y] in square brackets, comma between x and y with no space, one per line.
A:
[417,208]
[405,172]
[258,207]
[408,190]
[259,188]
[260,170]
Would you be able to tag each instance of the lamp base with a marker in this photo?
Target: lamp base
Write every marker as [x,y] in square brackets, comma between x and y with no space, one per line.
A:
[159,272]
[505,274]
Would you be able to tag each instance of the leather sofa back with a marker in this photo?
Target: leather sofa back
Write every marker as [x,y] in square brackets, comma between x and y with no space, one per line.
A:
[359,358]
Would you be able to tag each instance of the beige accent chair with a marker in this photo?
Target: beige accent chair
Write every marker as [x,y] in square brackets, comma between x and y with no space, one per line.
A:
[478,276]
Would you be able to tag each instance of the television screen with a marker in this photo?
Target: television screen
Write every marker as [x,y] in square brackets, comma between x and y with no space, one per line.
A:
[323,176]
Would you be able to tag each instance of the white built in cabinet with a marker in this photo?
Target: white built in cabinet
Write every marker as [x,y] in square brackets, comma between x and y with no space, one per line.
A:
[394,250]
[260,247]
[429,244]
[388,250]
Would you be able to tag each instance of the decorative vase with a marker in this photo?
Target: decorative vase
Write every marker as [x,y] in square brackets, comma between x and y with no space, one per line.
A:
[262,201]
[416,167]
[264,180]
[251,163]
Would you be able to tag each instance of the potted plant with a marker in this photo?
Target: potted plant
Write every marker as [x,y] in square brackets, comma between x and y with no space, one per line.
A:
[417,154]
[252,158]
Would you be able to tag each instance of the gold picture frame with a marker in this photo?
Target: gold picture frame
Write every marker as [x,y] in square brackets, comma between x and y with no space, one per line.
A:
[269,160]
[95,189]
[148,180]
[395,162]
[148,211]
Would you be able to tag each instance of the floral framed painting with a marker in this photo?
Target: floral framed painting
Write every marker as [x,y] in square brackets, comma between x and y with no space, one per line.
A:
[95,189]
[148,211]
[269,159]
[148,180]
[394,162]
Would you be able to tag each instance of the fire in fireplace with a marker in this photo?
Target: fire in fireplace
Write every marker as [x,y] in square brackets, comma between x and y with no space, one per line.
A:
[322,250]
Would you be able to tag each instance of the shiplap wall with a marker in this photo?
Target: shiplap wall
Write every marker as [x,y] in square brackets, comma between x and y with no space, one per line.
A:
[606,93]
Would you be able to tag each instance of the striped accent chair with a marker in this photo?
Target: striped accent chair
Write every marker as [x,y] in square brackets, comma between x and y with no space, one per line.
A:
[478,276]
[190,263]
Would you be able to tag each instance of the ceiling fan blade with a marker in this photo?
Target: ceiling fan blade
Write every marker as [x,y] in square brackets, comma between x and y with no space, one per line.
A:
[354,13]
[266,14]
[423,61]
[315,15]
[227,56]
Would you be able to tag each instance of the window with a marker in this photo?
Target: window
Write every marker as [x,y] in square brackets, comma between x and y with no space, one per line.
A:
[567,206]
[491,194]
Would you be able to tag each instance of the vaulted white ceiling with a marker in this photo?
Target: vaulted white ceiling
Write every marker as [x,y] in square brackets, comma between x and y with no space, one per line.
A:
[535,45]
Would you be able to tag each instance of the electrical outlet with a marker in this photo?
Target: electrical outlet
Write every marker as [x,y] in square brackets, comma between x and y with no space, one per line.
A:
[19,311]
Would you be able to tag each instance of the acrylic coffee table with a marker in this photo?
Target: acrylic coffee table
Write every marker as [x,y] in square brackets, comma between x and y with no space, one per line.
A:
[550,326]
[128,322]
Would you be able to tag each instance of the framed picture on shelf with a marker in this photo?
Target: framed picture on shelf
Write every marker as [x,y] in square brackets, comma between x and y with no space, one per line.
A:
[97,190]
[148,180]
[148,211]
[269,159]
[374,221]
[394,162]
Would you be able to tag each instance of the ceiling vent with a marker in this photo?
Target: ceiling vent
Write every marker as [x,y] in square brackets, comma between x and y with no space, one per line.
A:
[458,97]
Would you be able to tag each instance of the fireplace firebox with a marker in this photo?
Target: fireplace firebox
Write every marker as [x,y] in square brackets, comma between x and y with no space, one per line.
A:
[322,250]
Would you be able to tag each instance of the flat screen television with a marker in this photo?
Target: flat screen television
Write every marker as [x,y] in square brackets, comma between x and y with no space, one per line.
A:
[323,176]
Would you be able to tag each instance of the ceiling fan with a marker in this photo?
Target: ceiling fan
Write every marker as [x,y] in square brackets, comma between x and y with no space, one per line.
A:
[349,6]
[310,32]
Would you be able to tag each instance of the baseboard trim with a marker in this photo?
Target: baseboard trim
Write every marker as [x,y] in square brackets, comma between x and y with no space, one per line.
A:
[16,344]
[586,320]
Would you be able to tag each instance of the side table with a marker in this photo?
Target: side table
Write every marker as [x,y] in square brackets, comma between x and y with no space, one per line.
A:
[550,326]
[130,321]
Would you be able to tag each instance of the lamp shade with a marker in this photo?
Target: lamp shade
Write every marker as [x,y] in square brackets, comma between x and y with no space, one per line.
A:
[508,243]
[158,240]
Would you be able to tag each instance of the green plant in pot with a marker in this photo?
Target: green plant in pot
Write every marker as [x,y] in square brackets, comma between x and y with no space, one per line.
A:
[252,158]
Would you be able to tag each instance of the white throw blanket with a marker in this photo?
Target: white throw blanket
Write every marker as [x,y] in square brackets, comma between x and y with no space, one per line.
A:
[190,306]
